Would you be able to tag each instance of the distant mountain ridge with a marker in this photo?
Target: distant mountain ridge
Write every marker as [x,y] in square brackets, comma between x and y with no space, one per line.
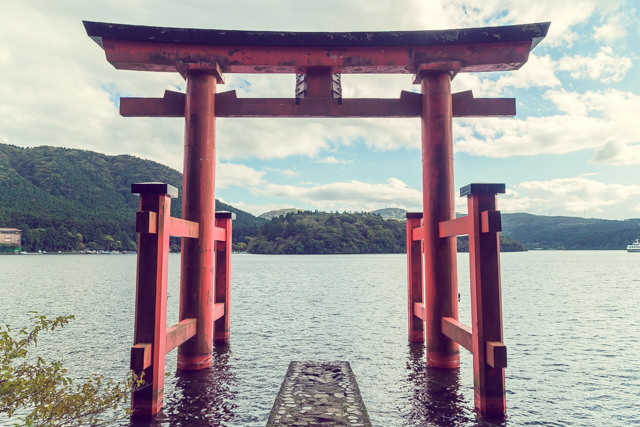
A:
[391,213]
[562,232]
[66,199]
[558,232]
[329,233]
[279,212]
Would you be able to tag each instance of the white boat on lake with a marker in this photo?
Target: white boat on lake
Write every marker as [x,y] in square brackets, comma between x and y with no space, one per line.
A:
[634,247]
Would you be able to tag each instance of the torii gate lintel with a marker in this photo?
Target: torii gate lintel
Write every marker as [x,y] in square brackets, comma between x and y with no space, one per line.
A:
[228,104]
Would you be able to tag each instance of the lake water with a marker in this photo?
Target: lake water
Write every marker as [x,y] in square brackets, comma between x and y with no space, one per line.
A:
[571,326]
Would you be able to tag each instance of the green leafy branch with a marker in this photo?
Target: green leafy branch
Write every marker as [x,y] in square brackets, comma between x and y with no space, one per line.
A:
[43,388]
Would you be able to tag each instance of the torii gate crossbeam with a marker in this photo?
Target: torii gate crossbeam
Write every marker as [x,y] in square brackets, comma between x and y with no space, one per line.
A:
[202,57]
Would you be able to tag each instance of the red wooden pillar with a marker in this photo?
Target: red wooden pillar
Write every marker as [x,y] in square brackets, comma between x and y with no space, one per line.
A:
[489,352]
[223,277]
[198,205]
[441,287]
[148,351]
[414,278]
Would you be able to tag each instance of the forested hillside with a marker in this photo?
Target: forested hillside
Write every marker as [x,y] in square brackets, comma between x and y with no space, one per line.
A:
[561,232]
[66,199]
[346,233]
[556,232]
[325,233]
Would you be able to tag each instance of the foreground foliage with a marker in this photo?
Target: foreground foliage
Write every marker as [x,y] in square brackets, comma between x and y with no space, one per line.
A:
[43,391]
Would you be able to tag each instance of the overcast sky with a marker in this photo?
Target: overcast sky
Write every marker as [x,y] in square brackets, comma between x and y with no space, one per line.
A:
[572,149]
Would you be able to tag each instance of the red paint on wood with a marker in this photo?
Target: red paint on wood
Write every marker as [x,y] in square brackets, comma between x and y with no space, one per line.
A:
[219,234]
[441,289]
[151,300]
[496,354]
[490,222]
[198,205]
[417,233]
[222,297]
[458,332]
[218,310]
[229,105]
[319,107]
[146,222]
[472,57]
[454,227]
[486,309]
[140,357]
[180,333]
[318,81]
[151,107]
[182,228]
[415,281]
[465,105]
[419,310]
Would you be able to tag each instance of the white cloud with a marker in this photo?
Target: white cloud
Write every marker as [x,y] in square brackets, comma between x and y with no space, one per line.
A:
[333,160]
[564,15]
[572,196]
[539,71]
[614,27]
[376,85]
[604,66]
[289,173]
[235,174]
[280,138]
[349,196]
[590,121]
[617,153]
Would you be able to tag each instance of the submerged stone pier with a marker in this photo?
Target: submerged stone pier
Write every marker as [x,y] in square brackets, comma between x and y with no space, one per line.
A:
[318,394]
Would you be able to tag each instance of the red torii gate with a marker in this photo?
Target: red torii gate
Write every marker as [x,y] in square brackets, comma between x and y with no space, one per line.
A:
[318,58]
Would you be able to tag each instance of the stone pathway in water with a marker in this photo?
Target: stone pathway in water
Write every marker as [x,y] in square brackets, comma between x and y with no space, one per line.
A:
[315,394]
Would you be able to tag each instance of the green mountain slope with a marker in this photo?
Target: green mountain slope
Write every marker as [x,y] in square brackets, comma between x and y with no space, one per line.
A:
[325,233]
[556,232]
[67,199]
[561,232]
[347,233]
[279,212]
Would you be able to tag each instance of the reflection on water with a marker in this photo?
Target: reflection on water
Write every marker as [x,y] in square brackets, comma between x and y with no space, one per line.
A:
[200,398]
[436,399]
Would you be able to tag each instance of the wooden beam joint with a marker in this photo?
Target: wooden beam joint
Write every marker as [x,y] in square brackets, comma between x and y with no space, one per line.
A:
[458,332]
[417,233]
[146,222]
[454,227]
[180,333]
[490,222]
[182,228]
[140,357]
[419,310]
[218,310]
[496,354]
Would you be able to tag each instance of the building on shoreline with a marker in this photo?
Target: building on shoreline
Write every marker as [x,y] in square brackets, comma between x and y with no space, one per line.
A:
[10,240]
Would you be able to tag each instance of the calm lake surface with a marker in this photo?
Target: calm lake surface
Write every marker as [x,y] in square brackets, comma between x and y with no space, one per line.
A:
[571,326]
